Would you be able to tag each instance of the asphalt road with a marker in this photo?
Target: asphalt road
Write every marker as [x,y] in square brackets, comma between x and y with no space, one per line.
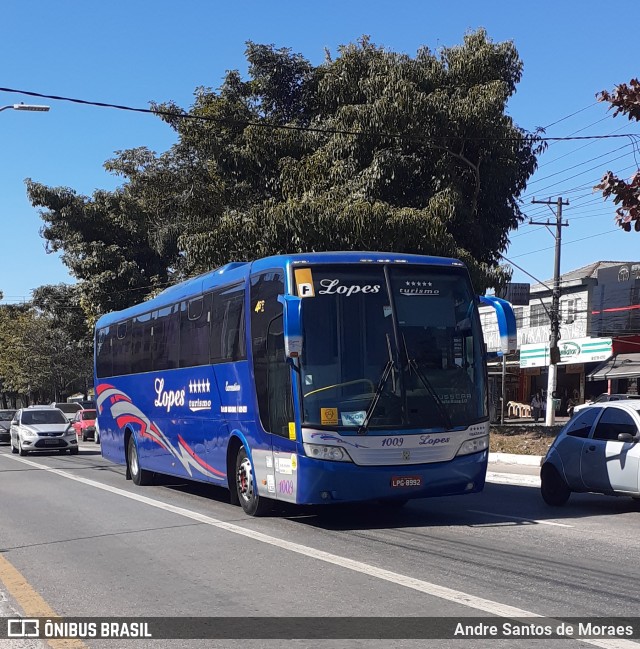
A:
[89,543]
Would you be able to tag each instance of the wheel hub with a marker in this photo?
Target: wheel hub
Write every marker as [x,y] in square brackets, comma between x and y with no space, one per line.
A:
[245,482]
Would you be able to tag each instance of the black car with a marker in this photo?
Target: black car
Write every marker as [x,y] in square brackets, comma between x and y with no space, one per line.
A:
[5,424]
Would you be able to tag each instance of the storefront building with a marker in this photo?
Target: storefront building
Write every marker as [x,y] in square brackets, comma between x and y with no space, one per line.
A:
[599,335]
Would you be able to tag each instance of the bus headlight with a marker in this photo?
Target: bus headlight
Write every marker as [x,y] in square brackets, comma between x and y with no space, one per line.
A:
[474,445]
[322,452]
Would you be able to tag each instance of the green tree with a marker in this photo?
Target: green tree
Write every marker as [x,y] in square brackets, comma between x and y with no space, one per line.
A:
[372,150]
[46,349]
[70,336]
[625,193]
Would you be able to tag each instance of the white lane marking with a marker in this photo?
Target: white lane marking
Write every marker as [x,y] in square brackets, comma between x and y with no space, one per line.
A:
[428,588]
[518,518]
[513,479]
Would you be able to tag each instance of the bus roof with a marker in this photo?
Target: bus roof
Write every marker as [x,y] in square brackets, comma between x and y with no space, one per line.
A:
[237,271]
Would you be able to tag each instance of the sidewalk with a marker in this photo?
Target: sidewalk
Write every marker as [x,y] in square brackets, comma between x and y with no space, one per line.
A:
[507,468]
[519,470]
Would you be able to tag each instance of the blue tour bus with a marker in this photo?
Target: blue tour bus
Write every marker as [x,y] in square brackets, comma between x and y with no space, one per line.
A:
[306,378]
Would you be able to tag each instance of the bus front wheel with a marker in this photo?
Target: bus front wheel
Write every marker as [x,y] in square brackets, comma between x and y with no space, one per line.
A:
[140,477]
[252,503]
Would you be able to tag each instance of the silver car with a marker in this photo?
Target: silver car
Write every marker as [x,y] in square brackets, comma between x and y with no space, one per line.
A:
[598,450]
[42,429]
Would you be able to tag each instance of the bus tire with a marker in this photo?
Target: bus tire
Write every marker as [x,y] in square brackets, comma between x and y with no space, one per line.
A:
[252,503]
[141,477]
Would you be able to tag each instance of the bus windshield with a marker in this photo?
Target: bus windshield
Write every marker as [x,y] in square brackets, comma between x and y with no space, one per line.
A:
[411,357]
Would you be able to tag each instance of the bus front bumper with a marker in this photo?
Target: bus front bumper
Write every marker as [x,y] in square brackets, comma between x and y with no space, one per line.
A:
[325,482]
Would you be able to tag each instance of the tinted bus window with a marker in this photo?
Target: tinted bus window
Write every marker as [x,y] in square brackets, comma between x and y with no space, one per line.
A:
[121,349]
[194,331]
[227,325]
[166,338]
[272,375]
[103,352]
[141,344]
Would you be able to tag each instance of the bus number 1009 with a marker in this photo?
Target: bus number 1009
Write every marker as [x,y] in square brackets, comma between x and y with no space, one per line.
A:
[393,441]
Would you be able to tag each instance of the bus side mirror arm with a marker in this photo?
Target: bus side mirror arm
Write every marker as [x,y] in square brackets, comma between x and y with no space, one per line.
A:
[292,325]
[506,323]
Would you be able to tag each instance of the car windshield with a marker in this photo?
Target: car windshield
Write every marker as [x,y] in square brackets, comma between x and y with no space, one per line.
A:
[88,415]
[51,416]
[7,415]
[412,359]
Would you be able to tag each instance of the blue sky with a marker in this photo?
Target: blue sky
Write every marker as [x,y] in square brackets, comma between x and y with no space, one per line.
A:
[135,52]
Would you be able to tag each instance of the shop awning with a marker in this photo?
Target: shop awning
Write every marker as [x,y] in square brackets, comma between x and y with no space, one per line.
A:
[620,366]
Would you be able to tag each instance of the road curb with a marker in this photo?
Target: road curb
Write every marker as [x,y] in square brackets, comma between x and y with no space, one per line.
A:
[512,458]
[514,479]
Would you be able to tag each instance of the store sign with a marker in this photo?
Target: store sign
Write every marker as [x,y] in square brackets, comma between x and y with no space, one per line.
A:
[517,294]
[580,350]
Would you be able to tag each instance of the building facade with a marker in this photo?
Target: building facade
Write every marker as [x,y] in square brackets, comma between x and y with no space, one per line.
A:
[599,343]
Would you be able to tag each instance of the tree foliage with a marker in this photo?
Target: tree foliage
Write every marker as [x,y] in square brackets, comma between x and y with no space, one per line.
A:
[625,193]
[370,150]
[45,346]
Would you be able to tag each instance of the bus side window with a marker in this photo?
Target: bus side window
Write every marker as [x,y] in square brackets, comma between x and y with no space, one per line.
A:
[271,371]
[194,331]
[141,343]
[227,325]
[103,352]
[121,349]
[279,395]
[166,338]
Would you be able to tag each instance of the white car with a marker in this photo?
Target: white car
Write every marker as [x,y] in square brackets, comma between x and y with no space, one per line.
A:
[605,398]
[68,408]
[42,429]
[598,450]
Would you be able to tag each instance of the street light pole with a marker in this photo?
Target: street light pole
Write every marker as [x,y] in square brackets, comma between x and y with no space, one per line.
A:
[32,107]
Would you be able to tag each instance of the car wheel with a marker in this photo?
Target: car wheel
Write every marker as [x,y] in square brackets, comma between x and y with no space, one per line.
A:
[252,503]
[74,450]
[13,448]
[553,488]
[84,437]
[20,449]
[140,477]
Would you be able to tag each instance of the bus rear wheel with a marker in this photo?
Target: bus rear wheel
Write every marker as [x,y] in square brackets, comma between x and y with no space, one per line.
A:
[140,477]
[252,503]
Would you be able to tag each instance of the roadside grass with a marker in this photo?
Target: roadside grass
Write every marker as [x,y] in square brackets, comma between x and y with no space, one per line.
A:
[532,440]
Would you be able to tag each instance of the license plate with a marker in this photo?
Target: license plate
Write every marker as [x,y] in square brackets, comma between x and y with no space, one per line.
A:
[406,481]
[50,442]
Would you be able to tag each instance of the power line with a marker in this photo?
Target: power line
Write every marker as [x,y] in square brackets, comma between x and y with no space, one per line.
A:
[579,164]
[524,254]
[571,115]
[292,127]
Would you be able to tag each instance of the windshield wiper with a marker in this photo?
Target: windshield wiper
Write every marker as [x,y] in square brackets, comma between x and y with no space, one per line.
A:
[432,393]
[362,430]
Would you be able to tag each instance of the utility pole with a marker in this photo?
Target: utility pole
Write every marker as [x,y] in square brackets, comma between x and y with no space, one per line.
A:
[554,353]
